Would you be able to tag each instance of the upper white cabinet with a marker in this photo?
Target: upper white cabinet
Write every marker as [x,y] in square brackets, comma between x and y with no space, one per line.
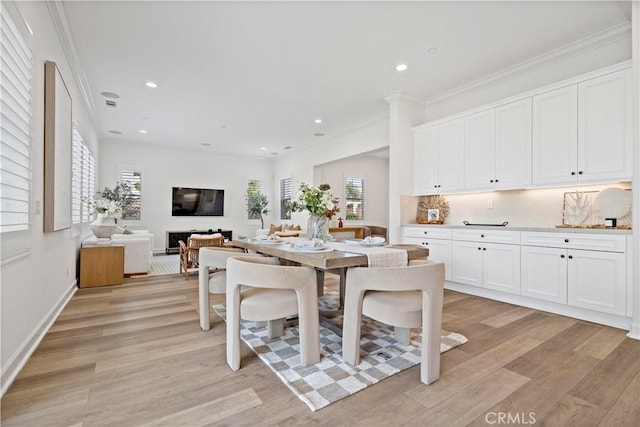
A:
[578,131]
[582,132]
[438,158]
[604,127]
[497,148]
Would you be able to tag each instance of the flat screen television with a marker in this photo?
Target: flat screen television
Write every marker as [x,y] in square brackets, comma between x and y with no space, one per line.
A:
[197,202]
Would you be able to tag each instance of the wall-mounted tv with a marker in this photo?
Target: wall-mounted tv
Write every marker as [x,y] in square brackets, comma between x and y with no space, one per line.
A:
[197,202]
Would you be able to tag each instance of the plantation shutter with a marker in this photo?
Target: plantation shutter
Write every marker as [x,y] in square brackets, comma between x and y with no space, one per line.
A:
[285,198]
[16,82]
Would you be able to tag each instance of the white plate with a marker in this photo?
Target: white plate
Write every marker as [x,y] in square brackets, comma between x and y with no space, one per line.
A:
[314,249]
[268,242]
[373,244]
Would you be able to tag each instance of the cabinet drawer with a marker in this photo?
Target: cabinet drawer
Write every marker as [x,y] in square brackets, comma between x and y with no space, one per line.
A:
[489,236]
[597,242]
[430,232]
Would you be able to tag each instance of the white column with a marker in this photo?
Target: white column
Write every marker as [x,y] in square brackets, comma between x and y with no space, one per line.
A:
[405,112]
[635,281]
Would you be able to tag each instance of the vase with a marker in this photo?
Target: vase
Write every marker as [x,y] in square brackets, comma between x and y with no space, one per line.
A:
[104,226]
[318,227]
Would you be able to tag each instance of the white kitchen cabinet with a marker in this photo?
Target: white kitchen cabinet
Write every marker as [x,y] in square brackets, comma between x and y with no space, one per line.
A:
[438,240]
[593,277]
[604,127]
[544,273]
[479,150]
[555,136]
[597,281]
[513,145]
[488,265]
[438,158]
[498,147]
[582,132]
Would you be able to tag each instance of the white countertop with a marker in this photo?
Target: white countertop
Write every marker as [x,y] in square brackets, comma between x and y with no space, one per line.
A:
[512,228]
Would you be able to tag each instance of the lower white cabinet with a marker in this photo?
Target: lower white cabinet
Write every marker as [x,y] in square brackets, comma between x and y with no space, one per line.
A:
[439,250]
[488,265]
[594,280]
[544,273]
[597,281]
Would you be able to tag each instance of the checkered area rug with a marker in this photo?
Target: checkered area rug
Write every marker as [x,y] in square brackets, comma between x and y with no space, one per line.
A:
[333,379]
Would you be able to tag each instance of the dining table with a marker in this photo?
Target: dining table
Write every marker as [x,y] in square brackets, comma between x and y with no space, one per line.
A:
[336,261]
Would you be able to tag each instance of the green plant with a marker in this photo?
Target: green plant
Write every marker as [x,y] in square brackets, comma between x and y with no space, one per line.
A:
[316,200]
[257,206]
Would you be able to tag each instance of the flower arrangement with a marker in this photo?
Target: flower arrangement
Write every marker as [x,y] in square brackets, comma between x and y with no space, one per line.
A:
[316,200]
[110,202]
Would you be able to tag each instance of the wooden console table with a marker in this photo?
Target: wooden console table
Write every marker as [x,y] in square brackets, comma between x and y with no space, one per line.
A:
[101,265]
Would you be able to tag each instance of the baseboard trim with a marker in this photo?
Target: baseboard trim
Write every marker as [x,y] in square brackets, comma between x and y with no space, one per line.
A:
[16,362]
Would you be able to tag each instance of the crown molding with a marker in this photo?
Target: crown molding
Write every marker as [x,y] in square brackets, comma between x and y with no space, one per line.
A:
[400,95]
[61,25]
[592,42]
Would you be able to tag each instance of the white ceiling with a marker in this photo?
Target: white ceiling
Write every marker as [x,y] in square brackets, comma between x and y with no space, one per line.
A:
[246,75]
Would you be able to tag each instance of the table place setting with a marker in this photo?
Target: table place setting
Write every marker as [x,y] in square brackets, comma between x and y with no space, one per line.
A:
[311,246]
[378,254]
[267,240]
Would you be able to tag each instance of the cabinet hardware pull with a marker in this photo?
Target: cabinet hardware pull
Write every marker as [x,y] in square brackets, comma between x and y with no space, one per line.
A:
[479,248]
[561,256]
[491,181]
[570,256]
[482,235]
[573,173]
[484,249]
[496,180]
[579,172]
[566,240]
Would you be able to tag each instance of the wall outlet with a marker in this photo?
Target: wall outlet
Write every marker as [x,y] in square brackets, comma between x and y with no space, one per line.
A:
[489,204]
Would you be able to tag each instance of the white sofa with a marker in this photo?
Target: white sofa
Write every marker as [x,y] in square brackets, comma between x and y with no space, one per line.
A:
[138,248]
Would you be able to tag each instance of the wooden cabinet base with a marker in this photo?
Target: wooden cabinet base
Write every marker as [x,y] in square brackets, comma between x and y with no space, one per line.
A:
[101,266]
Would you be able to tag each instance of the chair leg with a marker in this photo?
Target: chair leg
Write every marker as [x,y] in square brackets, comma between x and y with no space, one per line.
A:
[276,328]
[403,335]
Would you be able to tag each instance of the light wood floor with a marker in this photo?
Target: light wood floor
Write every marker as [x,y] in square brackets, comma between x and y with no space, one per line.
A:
[135,355]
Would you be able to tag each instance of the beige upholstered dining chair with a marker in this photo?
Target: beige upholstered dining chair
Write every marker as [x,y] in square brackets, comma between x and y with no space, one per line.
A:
[189,252]
[271,292]
[403,297]
[212,278]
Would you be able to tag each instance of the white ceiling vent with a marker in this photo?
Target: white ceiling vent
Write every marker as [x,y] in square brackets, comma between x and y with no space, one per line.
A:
[110,103]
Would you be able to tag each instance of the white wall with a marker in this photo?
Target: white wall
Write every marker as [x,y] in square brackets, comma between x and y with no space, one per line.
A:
[375,173]
[299,165]
[37,285]
[163,168]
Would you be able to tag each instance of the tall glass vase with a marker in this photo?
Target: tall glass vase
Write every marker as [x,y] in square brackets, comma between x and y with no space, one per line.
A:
[318,227]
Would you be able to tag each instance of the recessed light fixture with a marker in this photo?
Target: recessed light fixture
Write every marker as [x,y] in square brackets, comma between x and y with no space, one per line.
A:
[115,132]
[142,131]
[288,147]
[318,134]
[274,153]
[263,148]
[205,144]
[432,51]
[402,67]
[110,95]
[318,121]
[151,84]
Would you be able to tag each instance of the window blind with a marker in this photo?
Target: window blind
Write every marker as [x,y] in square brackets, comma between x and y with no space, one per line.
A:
[76,178]
[88,182]
[354,198]
[285,198]
[16,99]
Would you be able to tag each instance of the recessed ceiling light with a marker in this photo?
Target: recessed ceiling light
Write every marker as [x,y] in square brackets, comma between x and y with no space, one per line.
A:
[205,144]
[115,132]
[318,121]
[432,51]
[318,134]
[402,67]
[151,84]
[263,148]
[142,131]
[110,95]
[274,153]
[288,147]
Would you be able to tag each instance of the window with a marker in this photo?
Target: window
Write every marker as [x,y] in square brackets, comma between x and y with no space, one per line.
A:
[254,187]
[354,198]
[83,181]
[285,198]
[133,204]
[16,98]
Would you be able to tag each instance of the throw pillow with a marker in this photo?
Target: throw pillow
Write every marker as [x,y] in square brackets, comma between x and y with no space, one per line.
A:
[286,227]
[273,229]
[297,228]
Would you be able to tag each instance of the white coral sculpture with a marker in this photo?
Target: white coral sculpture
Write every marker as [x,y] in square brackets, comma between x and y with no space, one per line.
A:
[577,208]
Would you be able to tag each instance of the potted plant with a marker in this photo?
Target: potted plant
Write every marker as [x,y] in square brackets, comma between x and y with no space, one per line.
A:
[257,206]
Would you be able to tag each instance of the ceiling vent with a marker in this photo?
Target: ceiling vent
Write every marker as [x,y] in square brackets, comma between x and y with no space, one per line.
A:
[110,103]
